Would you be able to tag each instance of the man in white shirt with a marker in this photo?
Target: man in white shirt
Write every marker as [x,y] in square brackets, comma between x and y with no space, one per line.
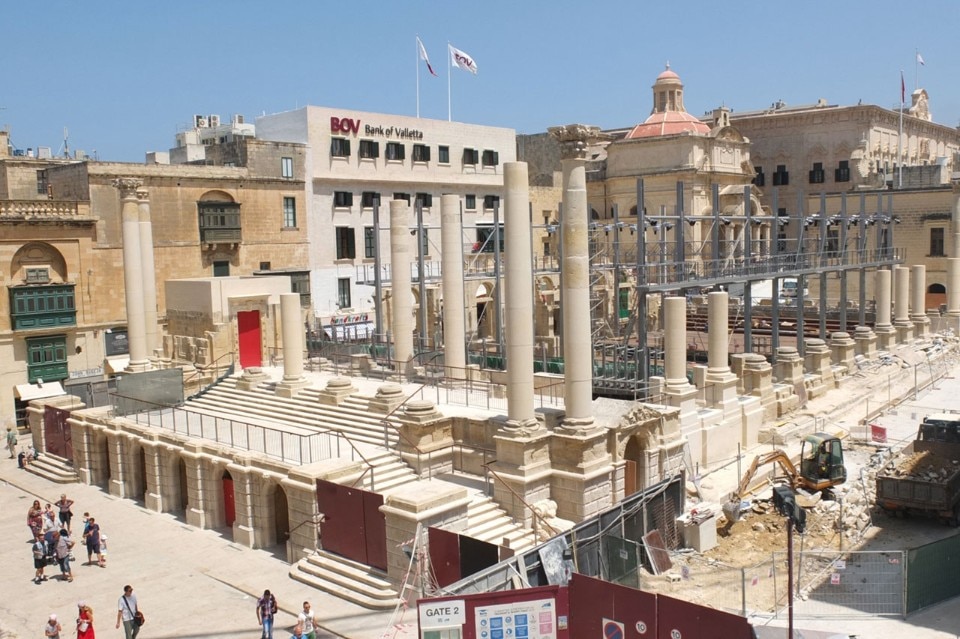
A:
[127,611]
[306,622]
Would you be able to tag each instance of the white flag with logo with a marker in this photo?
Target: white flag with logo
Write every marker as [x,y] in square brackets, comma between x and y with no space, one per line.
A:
[462,61]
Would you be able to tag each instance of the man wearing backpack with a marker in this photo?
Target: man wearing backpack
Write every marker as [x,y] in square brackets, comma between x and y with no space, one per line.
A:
[266,610]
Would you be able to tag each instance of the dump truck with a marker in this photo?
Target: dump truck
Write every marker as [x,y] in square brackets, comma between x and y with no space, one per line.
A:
[924,478]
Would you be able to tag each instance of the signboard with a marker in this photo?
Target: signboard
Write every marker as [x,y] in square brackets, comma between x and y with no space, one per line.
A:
[442,614]
[115,342]
[521,620]
[878,433]
[612,629]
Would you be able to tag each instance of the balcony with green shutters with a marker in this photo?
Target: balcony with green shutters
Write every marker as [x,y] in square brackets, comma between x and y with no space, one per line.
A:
[34,307]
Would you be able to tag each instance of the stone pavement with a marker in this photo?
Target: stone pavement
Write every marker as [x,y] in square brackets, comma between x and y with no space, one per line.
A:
[190,582]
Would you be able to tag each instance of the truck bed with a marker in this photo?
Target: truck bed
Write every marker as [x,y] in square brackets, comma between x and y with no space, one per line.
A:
[924,477]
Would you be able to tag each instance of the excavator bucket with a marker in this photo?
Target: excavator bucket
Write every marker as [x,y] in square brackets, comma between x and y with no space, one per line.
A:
[731,510]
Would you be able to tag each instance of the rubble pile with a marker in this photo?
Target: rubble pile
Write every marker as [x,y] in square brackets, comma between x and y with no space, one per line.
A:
[924,466]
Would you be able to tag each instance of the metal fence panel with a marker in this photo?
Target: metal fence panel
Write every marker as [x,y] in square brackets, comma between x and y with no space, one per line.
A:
[933,573]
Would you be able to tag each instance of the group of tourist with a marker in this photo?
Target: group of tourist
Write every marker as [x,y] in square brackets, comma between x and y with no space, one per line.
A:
[51,533]
[128,614]
[267,611]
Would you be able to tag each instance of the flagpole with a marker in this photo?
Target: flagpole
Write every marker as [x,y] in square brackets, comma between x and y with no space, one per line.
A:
[900,137]
[449,69]
[417,57]
[916,69]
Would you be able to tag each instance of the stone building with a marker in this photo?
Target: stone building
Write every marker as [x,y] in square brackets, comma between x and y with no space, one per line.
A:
[63,318]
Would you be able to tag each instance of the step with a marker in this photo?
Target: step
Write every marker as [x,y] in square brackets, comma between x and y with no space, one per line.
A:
[346,580]
[53,468]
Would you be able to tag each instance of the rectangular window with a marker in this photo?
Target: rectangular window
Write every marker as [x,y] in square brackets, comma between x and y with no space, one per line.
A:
[342,199]
[421,153]
[396,151]
[289,212]
[42,181]
[443,154]
[343,292]
[340,147]
[369,199]
[937,242]
[781,230]
[37,275]
[402,196]
[490,201]
[369,243]
[781,177]
[345,243]
[471,202]
[221,268]
[264,266]
[425,200]
[300,283]
[758,177]
[817,173]
[842,172]
[286,167]
[491,158]
[471,157]
[47,358]
[369,149]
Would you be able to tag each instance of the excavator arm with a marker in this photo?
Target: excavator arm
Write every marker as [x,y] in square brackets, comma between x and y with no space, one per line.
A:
[774,457]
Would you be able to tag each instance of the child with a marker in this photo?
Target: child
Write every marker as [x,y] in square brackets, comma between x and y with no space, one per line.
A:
[103,550]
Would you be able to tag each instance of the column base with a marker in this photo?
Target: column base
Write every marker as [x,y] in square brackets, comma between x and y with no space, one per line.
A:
[886,337]
[290,388]
[138,367]
[576,425]
[904,332]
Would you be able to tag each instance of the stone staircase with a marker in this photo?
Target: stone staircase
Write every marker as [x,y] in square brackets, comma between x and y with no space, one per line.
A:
[353,418]
[347,580]
[53,468]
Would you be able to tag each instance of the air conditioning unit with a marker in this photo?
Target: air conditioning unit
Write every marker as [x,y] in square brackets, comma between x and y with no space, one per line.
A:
[199,121]
[214,120]
[238,119]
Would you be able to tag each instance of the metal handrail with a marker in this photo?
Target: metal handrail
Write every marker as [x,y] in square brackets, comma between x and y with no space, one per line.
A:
[227,372]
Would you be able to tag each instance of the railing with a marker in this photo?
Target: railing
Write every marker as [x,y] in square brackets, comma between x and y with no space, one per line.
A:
[44,209]
[275,442]
[198,374]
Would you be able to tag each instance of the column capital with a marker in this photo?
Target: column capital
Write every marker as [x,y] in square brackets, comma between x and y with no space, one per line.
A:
[143,195]
[575,138]
[127,187]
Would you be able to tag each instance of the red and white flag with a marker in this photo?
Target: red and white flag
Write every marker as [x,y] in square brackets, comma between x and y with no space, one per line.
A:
[903,89]
[423,56]
[920,59]
[462,61]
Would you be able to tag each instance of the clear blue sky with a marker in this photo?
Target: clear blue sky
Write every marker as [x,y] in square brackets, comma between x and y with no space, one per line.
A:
[122,76]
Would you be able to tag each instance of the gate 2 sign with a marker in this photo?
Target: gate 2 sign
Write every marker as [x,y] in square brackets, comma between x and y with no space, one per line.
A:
[442,614]
[612,629]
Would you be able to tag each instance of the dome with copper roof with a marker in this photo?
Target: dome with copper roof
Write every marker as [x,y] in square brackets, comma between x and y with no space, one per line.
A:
[668,116]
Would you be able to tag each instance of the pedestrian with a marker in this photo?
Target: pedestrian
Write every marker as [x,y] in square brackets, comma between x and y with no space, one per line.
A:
[39,560]
[128,612]
[297,632]
[266,609]
[63,555]
[92,538]
[85,621]
[66,514]
[306,621]
[12,441]
[103,550]
[53,628]
[35,519]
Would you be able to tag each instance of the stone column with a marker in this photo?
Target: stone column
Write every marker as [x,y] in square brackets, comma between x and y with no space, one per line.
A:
[133,273]
[921,323]
[817,363]
[789,371]
[519,290]
[454,326]
[675,342]
[575,296]
[886,333]
[291,329]
[721,383]
[843,351]
[866,342]
[901,306]
[149,272]
[401,319]
[953,293]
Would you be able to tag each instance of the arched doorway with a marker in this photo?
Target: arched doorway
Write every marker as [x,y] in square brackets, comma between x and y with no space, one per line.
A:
[635,466]
[281,518]
[936,296]
[229,503]
[183,493]
[140,488]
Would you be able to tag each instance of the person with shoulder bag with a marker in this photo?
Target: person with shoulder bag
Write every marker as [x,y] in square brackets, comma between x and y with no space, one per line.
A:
[128,613]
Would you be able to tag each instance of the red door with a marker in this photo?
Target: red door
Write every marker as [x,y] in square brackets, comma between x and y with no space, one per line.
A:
[353,525]
[248,328]
[229,505]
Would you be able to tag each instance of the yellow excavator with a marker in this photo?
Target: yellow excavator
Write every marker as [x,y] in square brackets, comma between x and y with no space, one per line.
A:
[821,467]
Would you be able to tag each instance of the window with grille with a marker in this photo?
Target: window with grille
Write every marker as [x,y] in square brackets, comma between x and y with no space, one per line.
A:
[842,172]
[817,173]
[289,212]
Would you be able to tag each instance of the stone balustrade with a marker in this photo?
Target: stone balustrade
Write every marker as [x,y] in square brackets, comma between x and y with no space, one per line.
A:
[43,209]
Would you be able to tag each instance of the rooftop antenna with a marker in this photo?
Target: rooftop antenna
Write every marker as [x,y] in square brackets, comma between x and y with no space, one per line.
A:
[65,147]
